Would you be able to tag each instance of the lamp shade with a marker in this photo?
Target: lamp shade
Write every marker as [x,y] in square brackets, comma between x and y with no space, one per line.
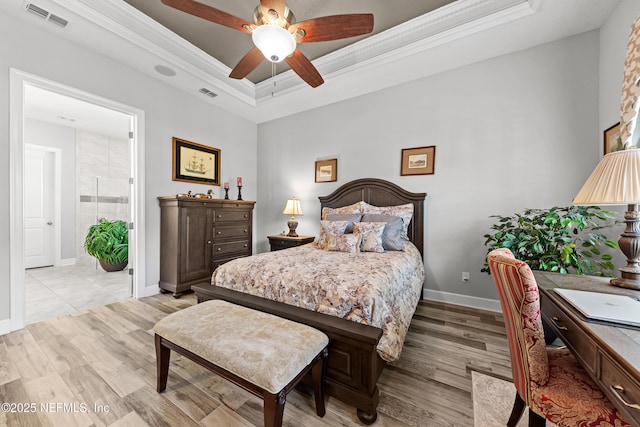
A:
[274,42]
[293,207]
[615,181]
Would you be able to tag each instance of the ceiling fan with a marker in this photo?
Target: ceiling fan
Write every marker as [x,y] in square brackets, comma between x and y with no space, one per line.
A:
[275,34]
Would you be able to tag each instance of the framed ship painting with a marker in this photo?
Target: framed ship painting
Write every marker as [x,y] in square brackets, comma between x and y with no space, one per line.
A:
[195,163]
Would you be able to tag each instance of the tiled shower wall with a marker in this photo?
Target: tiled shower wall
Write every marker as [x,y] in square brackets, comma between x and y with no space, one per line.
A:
[102,184]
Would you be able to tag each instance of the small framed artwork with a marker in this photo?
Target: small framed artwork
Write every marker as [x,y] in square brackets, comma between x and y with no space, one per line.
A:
[612,139]
[418,161]
[195,163]
[327,170]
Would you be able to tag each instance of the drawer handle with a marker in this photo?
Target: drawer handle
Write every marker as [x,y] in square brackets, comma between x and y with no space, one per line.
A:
[555,322]
[219,215]
[245,245]
[618,390]
[245,230]
[246,216]
[219,232]
[219,249]
[208,242]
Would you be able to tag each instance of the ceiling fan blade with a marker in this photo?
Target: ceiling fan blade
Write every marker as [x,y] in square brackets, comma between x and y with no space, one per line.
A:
[333,27]
[277,5]
[247,64]
[209,13]
[304,68]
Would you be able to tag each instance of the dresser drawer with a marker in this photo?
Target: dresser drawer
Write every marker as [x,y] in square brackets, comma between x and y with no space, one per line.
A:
[222,215]
[624,392]
[240,246]
[577,340]
[241,231]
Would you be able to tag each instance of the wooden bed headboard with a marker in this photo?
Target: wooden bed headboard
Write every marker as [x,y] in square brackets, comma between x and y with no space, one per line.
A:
[379,192]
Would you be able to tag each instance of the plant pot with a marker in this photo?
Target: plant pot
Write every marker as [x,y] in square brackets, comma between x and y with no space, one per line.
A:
[113,267]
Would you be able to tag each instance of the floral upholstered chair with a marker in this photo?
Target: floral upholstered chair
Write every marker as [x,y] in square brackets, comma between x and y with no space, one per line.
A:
[549,381]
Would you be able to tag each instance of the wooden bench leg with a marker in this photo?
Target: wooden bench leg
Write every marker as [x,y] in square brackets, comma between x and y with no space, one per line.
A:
[274,408]
[163,354]
[318,376]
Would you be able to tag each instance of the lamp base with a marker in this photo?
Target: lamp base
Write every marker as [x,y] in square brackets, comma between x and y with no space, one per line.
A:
[293,224]
[629,280]
[629,244]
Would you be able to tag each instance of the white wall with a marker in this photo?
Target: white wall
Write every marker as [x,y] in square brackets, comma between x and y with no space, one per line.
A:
[168,113]
[511,132]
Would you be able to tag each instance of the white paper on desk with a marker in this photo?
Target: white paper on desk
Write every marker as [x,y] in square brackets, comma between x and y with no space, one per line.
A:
[608,307]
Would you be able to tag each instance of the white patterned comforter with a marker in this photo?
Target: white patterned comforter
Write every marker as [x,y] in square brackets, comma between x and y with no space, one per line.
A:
[377,289]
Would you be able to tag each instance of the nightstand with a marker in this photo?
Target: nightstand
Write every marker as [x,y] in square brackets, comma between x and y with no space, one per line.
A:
[282,241]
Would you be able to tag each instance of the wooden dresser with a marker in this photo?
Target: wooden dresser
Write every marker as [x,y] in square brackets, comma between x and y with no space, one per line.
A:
[608,352]
[197,235]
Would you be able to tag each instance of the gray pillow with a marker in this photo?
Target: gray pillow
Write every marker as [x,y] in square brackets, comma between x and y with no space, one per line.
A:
[345,217]
[392,235]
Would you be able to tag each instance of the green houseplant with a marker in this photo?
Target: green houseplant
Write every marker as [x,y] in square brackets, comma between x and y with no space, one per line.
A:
[559,239]
[108,241]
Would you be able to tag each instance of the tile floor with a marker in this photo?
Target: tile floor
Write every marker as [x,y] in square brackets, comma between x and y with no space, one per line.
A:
[56,291]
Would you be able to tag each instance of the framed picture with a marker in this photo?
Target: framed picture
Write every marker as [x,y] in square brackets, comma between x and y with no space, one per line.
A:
[612,139]
[195,163]
[418,161]
[327,170]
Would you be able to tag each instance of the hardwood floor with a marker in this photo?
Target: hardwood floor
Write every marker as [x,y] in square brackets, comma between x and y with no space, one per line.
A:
[97,368]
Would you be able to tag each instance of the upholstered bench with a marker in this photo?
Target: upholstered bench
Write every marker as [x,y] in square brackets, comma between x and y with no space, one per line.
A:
[262,353]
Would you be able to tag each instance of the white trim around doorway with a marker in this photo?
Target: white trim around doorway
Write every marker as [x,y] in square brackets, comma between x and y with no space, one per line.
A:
[18,79]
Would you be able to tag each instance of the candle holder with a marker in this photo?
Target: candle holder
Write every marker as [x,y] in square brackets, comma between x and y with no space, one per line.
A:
[226,194]
[239,192]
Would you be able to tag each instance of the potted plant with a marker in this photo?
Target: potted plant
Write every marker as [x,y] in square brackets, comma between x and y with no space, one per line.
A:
[108,241]
[560,239]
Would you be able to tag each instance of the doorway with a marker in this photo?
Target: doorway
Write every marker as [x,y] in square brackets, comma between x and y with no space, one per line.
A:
[68,255]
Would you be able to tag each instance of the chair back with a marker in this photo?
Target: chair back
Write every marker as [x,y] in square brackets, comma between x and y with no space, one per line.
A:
[520,302]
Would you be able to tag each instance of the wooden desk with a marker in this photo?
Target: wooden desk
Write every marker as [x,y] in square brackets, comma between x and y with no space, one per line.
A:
[610,354]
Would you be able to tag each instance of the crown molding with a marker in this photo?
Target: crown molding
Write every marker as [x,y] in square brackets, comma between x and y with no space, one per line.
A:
[456,20]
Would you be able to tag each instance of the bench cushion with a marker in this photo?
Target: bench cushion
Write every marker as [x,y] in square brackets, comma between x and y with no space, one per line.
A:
[265,350]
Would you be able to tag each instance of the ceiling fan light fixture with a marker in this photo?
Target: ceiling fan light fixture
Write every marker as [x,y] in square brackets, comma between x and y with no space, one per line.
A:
[274,42]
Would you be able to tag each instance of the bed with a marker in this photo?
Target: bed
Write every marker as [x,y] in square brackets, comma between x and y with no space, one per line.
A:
[362,340]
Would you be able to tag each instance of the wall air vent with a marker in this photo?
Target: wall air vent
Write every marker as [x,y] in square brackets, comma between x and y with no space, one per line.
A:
[46,15]
[208,92]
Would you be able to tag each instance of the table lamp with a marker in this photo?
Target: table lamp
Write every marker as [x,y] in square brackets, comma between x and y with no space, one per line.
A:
[292,208]
[616,181]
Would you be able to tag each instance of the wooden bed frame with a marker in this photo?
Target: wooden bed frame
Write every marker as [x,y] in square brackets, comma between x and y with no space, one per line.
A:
[354,366]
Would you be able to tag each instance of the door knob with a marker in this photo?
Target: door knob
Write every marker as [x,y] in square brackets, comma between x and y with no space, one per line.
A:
[49,223]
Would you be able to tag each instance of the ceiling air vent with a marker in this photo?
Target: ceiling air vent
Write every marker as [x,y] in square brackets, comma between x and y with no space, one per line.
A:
[46,15]
[208,92]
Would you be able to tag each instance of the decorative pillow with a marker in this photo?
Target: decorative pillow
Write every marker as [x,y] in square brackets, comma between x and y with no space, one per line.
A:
[403,211]
[371,240]
[351,209]
[345,217]
[392,235]
[330,227]
[343,242]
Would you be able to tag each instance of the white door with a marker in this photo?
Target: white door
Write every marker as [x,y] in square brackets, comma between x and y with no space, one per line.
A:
[38,199]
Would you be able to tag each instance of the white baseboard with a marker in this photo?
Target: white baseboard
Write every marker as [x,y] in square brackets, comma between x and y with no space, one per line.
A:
[150,291]
[464,300]
[5,326]
[67,261]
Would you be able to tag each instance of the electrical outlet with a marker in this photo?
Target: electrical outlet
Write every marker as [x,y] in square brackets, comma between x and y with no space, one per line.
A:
[465,276]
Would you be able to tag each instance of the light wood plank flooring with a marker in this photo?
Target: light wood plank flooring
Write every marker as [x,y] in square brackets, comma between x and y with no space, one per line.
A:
[97,368]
